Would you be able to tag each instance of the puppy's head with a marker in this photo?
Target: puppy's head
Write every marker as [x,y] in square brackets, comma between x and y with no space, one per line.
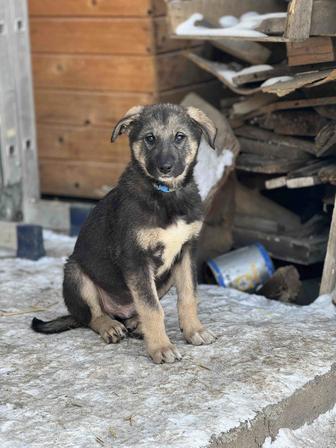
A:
[164,139]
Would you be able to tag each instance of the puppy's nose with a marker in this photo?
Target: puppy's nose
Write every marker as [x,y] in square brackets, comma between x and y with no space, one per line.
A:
[165,168]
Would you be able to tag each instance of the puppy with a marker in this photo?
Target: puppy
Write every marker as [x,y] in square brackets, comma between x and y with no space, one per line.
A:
[140,239]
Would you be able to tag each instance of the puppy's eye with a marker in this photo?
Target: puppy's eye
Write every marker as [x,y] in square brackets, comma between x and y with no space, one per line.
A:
[150,139]
[179,137]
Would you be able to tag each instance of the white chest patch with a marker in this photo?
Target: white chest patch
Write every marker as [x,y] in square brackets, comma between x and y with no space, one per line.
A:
[172,238]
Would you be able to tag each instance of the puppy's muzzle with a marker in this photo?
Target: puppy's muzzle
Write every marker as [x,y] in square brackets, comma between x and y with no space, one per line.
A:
[166,165]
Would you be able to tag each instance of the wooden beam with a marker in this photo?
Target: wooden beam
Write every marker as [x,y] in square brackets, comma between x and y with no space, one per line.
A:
[107,8]
[329,270]
[299,20]
[314,50]
[250,52]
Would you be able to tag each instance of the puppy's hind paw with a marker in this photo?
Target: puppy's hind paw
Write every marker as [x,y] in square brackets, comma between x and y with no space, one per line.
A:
[114,334]
[112,331]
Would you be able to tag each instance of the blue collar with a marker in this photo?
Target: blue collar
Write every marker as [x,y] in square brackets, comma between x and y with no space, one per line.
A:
[162,187]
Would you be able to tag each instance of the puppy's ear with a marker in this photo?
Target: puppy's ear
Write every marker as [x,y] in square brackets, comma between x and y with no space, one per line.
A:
[203,121]
[123,125]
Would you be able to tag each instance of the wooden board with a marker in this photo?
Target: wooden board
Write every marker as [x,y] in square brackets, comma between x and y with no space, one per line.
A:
[295,104]
[103,109]
[81,143]
[179,11]
[102,35]
[85,108]
[256,133]
[272,151]
[299,19]
[251,52]
[307,123]
[81,179]
[92,35]
[115,73]
[94,8]
[292,249]
[280,88]
[326,140]
[323,18]
[255,163]
[311,51]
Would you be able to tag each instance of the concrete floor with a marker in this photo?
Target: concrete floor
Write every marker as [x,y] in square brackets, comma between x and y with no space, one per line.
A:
[271,368]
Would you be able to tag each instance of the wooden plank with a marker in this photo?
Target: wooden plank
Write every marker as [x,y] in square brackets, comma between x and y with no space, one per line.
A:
[303,251]
[266,149]
[71,107]
[102,35]
[277,70]
[299,19]
[79,179]
[297,104]
[277,182]
[94,8]
[209,90]
[115,73]
[251,52]
[323,18]
[311,51]
[92,35]
[252,203]
[257,133]
[272,26]
[307,176]
[329,270]
[103,109]
[252,103]
[280,87]
[175,70]
[254,163]
[326,111]
[307,123]
[180,10]
[300,80]
[326,140]
[81,143]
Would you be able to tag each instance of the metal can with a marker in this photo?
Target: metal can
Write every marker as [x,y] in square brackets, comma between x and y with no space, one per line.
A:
[245,269]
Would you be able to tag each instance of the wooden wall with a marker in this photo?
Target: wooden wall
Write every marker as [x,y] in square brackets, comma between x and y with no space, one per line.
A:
[93,60]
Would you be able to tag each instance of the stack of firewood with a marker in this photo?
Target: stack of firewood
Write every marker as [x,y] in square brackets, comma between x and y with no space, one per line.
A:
[277,63]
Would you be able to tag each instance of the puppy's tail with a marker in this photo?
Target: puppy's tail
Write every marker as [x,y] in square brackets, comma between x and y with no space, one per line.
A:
[58,325]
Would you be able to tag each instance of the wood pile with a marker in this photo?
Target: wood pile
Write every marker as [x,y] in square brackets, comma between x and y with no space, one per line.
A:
[277,62]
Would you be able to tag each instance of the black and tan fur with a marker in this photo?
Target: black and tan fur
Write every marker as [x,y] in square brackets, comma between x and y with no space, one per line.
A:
[139,241]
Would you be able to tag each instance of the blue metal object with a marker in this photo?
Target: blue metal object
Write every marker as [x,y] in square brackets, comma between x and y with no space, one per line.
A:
[30,241]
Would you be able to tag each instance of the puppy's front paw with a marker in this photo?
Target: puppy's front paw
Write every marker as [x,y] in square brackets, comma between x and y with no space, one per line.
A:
[165,354]
[200,337]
